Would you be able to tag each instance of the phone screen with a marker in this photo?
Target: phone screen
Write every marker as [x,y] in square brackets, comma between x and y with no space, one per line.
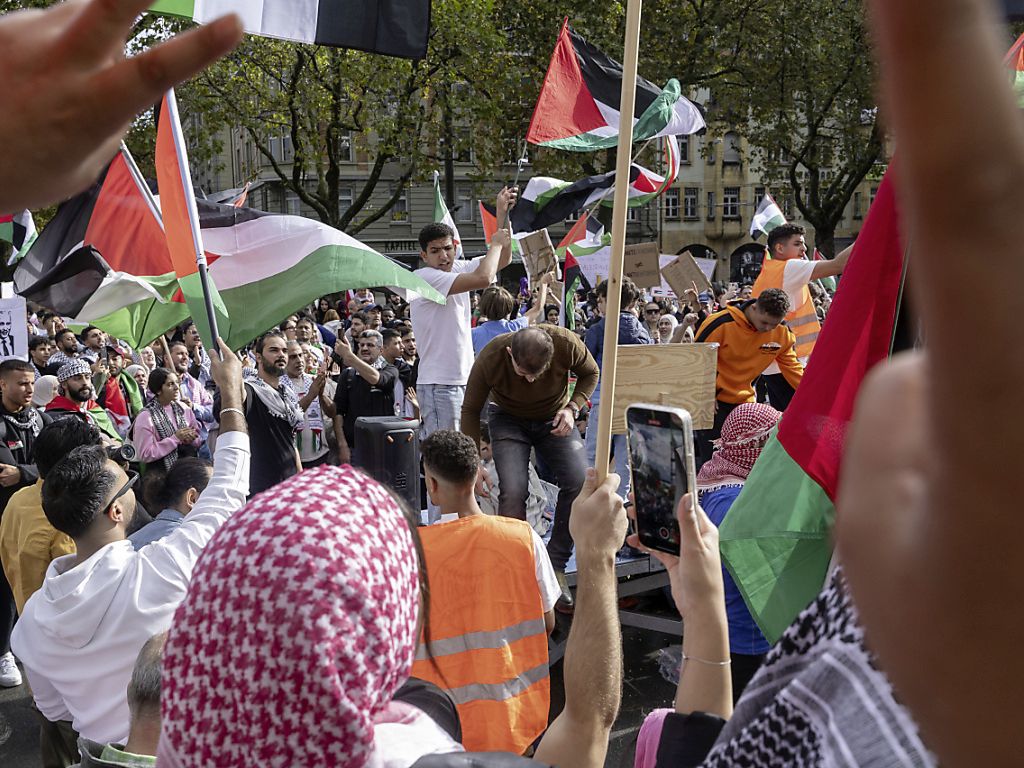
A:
[656,451]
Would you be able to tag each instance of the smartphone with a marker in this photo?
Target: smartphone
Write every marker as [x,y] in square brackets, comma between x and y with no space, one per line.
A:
[661,459]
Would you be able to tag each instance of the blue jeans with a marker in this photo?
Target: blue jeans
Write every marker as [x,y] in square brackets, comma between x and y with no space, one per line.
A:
[620,449]
[512,438]
[440,408]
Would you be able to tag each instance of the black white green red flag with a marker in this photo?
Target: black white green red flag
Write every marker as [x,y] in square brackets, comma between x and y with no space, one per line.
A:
[19,230]
[578,105]
[395,28]
[546,201]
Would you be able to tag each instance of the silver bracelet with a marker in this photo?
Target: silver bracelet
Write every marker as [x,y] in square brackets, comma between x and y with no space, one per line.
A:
[239,411]
[709,663]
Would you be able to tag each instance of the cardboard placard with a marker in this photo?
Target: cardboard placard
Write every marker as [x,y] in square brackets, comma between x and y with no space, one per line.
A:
[641,264]
[538,254]
[682,273]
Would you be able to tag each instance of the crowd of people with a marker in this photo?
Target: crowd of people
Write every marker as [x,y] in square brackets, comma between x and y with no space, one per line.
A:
[283,607]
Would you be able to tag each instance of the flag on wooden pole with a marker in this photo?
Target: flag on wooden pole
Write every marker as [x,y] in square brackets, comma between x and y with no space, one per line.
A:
[181,225]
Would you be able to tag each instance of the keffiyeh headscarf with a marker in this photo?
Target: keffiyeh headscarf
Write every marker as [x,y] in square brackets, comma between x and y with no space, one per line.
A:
[744,434]
[299,626]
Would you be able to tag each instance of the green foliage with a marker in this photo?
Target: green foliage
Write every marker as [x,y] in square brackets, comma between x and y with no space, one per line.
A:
[802,91]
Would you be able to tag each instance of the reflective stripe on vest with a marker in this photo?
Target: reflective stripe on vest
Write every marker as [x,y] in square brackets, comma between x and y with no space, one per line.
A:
[772,276]
[475,641]
[499,691]
[488,640]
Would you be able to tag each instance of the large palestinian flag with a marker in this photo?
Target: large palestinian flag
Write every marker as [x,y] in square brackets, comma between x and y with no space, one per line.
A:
[104,259]
[393,28]
[546,201]
[265,267]
[777,538]
[578,105]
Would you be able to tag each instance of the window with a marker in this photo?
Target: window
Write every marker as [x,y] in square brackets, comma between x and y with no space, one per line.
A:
[690,195]
[711,206]
[759,193]
[632,214]
[731,203]
[275,148]
[294,206]
[400,210]
[731,149]
[684,150]
[345,151]
[344,199]
[874,192]
[289,152]
[574,216]
[464,200]
[672,204]
[463,150]
[858,213]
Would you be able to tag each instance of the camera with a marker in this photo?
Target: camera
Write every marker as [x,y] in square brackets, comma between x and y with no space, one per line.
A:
[122,454]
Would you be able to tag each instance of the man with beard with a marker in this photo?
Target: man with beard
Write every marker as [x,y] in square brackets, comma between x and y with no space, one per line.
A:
[366,387]
[272,413]
[193,393]
[67,350]
[120,394]
[20,424]
[76,399]
[95,340]
[311,438]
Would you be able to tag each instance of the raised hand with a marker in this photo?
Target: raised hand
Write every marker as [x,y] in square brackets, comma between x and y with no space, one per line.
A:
[69,94]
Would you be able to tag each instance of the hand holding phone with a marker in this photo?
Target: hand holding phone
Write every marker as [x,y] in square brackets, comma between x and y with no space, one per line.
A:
[663,470]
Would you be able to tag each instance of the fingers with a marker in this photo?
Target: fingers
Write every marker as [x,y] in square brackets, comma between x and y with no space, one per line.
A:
[128,87]
[101,26]
[689,524]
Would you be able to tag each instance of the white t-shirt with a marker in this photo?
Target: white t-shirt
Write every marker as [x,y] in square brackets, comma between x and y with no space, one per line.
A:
[795,276]
[443,340]
[549,589]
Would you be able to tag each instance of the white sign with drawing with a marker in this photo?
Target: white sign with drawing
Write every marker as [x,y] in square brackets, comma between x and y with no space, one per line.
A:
[13,329]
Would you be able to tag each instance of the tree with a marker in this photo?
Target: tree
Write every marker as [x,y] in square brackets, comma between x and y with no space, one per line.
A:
[802,91]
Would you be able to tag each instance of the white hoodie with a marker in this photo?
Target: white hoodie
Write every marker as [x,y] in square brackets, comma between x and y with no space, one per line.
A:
[81,632]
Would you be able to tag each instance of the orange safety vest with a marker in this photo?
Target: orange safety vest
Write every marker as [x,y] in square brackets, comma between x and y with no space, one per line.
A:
[488,646]
[803,320]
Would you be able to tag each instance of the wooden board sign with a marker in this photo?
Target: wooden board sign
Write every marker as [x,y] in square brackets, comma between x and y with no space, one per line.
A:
[679,375]
[641,264]
[538,255]
[683,272]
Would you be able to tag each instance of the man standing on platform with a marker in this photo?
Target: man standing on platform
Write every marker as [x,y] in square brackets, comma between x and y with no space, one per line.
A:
[789,270]
[526,373]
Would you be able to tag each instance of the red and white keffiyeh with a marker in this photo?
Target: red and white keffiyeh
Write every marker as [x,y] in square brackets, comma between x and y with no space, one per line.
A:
[299,626]
[744,434]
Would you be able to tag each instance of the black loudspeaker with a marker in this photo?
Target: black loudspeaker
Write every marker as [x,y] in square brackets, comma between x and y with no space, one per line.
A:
[388,450]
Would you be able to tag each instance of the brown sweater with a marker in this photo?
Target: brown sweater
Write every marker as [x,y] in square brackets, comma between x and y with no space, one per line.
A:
[540,400]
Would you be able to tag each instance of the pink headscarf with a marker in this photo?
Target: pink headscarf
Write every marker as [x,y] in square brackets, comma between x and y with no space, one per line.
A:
[299,626]
[744,434]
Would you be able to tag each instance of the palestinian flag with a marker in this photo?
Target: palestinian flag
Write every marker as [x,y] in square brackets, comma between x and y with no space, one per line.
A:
[19,230]
[103,259]
[578,105]
[267,266]
[777,538]
[580,236]
[767,217]
[546,201]
[181,225]
[444,216]
[392,28]
[104,249]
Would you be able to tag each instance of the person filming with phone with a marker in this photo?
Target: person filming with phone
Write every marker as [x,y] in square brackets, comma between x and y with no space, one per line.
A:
[526,373]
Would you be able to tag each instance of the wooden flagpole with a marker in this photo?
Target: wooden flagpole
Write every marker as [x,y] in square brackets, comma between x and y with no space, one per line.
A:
[613,303]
